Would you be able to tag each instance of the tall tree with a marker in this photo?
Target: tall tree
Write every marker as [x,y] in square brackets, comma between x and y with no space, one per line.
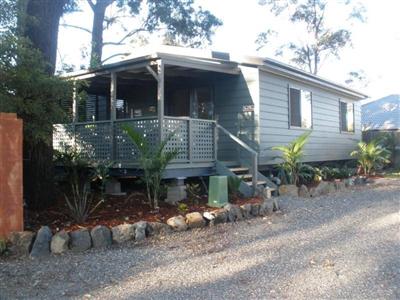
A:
[179,20]
[28,39]
[39,21]
[322,41]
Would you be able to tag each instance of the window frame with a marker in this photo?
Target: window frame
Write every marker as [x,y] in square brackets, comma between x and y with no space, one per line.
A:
[290,86]
[340,100]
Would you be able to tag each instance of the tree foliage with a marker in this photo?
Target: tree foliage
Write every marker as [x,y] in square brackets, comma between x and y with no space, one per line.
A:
[179,21]
[322,41]
[27,88]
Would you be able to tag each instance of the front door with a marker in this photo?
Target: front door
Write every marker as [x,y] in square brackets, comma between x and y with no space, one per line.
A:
[191,102]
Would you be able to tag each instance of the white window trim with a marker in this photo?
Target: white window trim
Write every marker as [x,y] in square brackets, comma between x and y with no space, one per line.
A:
[340,117]
[296,87]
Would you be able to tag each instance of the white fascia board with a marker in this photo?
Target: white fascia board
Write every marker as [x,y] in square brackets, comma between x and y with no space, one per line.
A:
[315,81]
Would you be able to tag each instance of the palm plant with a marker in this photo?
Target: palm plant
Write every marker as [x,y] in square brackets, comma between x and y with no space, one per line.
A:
[371,156]
[152,161]
[292,155]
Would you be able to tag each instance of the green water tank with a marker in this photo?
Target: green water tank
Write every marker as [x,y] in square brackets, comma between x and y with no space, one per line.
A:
[218,191]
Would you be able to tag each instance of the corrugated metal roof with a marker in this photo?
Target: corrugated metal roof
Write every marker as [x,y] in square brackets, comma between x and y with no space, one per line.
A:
[381,114]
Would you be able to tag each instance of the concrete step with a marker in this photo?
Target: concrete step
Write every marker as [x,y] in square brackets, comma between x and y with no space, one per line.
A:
[259,182]
[239,170]
[246,177]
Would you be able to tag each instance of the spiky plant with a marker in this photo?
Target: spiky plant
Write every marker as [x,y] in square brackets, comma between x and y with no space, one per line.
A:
[152,161]
[371,156]
[292,155]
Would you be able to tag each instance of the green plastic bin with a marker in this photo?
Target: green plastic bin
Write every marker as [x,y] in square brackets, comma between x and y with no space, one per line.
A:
[218,191]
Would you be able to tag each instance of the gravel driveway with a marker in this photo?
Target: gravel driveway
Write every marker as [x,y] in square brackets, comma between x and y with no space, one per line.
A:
[344,245]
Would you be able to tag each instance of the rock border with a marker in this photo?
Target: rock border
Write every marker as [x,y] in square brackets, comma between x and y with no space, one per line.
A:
[323,188]
[43,243]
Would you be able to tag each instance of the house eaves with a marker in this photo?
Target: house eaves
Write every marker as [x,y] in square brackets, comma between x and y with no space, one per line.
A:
[207,64]
[281,69]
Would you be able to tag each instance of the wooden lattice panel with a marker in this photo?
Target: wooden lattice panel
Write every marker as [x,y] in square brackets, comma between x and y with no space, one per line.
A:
[94,140]
[179,139]
[203,141]
[125,149]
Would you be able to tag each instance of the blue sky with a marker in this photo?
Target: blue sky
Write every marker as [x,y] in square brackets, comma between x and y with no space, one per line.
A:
[375,44]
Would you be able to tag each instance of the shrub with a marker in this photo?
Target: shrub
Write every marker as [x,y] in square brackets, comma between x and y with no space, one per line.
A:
[3,246]
[371,156]
[152,161]
[183,208]
[193,191]
[308,174]
[102,174]
[234,185]
[292,155]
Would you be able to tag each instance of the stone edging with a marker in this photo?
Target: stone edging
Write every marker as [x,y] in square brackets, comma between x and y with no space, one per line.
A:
[43,243]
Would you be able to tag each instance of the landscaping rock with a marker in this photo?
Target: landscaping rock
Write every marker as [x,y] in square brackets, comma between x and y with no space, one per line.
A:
[348,182]
[275,203]
[209,217]
[221,216]
[59,242]
[158,228]
[177,223]
[255,210]
[265,208]
[234,212]
[41,245]
[195,220]
[340,186]
[288,190]
[266,193]
[303,191]
[142,230]
[323,188]
[123,233]
[101,236]
[246,210]
[80,240]
[21,242]
[360,180]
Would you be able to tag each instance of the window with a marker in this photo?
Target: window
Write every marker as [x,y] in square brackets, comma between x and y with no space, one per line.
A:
[300,108]
[346,116]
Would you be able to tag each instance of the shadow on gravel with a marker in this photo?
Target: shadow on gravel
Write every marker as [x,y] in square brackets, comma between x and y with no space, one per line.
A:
[263,260]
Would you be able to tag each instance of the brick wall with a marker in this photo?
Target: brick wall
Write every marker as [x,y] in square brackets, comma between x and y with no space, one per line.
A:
[11,205]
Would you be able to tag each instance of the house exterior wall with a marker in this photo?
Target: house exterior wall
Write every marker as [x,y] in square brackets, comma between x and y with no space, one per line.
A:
[326,142]
[236,100]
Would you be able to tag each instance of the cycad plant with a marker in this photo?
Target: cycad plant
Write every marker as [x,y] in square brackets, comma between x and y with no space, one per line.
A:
[371,156]
[78,175]
[152,161]
[292,155]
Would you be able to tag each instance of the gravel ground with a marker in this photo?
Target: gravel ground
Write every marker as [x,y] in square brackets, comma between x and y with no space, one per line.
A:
[344,245]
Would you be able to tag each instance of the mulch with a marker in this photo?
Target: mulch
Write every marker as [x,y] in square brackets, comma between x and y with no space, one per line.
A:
[116,210]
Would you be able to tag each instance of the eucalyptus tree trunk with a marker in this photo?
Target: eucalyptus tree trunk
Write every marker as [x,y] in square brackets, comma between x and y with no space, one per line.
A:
[38,20]
[41,27]
[99,10]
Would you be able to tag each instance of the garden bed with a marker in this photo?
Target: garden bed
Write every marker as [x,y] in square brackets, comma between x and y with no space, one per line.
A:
[117,210]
